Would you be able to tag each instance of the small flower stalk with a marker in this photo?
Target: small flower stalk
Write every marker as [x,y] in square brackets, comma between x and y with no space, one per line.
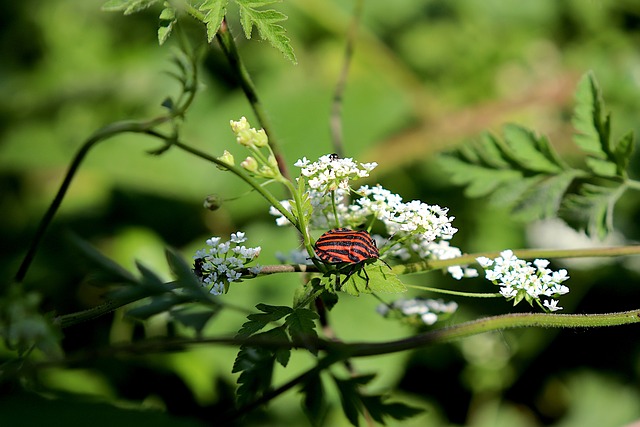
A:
[222,263]
[521,280]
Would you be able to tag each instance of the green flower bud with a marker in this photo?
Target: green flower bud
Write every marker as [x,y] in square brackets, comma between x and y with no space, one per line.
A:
[250,164]
[260,138]
[227,157]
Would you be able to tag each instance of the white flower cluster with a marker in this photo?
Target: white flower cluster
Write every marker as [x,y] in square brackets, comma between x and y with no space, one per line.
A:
[417,229]
[221,262]
[330,173]
[520,280]
[427,310]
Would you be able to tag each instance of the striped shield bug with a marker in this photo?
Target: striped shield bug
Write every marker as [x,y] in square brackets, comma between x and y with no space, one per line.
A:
[347,248]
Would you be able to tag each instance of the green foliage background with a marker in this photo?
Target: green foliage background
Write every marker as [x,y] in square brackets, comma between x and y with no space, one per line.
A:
[425,77]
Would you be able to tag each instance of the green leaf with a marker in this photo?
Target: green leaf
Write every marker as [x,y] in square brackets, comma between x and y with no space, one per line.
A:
[354,402]
[350,396]
[592,133]
[543,197]
[382,279]
[623,151]
[156,305]
[479,180]
[301,326]
[593,205]
[108,270]
[314,401]
[128,6]
[278,334]
[195,318]
[151,281]
[266,21]
[214,11]
[602,167]
[255,365]
[378,409]
[167,21]
[258,321]
[529,151]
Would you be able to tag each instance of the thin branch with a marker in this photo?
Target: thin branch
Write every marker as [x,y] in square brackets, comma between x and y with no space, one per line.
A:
[230,51]
[100,135]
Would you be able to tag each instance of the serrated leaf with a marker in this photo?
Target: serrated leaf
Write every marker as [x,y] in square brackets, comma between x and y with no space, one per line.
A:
[167,21]
[593,206]
[266,21]
[543,198]
[623,151]
[128,6]
[281,354]
[525,149]
[379,409]
[592,133]
[314,402]
[258,321]
[382,279]
[301,326]
[214,11]
[602,167]
[255,365]
[479,180]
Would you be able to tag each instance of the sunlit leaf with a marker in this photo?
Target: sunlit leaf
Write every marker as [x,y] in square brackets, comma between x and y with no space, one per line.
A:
[266,21]
[214,11]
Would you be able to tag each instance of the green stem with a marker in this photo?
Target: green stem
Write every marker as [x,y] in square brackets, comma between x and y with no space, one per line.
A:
[508,321]
[228,46]
[424,266]
[100,135]
[242,174]
[458,293]
[633,184]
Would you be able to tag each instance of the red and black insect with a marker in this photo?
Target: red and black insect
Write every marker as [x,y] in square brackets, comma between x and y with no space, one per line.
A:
[345,247]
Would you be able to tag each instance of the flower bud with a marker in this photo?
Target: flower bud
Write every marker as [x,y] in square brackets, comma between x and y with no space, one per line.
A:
[250,164]
[240,125]
[260,138]
[227,157]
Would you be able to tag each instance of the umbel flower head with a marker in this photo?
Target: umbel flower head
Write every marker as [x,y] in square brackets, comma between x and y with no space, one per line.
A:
[412,229]
[222,262]
[519,279]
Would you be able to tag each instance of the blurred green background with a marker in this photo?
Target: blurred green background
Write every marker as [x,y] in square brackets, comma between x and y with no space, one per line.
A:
[425,77]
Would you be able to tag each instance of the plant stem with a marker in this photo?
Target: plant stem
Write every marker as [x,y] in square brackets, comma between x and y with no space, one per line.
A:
[507,321]
[228,46]
[428,265]
[458,293]
[239,172]
[100,135]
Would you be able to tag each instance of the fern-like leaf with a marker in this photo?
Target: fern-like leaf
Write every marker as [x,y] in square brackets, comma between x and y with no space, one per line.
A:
[214,11]
[267,23]
[167,20]
[128,7]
